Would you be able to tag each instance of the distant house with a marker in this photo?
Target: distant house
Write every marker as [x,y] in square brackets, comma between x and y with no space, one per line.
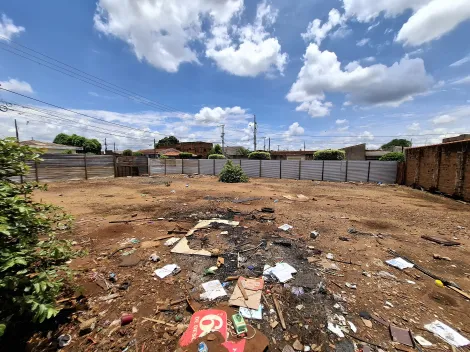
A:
[200,149]
[359,152]
[159,152]
[292,155]
[234,153]
[52,148]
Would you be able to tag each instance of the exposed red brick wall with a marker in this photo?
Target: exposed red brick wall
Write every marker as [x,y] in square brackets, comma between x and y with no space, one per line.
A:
[442,167]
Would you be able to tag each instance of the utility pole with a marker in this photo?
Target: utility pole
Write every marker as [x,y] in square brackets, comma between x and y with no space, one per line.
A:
[223,139]
[114,147]
[17,135]
[278,147]
[154,149]
[105,147]
[269,144]
[264,146]
[304,145]
[254,132]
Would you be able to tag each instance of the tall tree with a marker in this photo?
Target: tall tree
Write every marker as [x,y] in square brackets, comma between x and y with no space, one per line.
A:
[396,143]
[216,149]
[171,140]
[89,145]
[62,138]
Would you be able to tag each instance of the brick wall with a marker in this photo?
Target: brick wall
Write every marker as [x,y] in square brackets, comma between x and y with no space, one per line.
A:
[443,167]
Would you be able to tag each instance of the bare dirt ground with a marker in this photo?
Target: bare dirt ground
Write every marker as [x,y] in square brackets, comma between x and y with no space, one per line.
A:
[392,217]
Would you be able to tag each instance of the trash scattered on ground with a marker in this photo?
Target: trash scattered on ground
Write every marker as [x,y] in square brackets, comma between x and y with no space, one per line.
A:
[389,304]
[437,256]
[247,293]
[402,336]
[446,333]
[422,341]
[335,329]
[126,319]
[171,241]
[282,271]
[285,227]
[351,286]
[330,256]
[169,269]
[267,210]
[154,257]
[64,340]
[213,289]
[399,263]
[352,326]
[314,234]
[245,200]
[441,241]
[210,271]
[387,275]
[252,313]
[298,197]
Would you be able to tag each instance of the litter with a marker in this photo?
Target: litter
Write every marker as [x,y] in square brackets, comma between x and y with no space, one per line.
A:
[422,341]
[282,271]
[64,340]
[330,256]
[298,291]
[182,247]
[126,319]
[214,289]
[314,234]
[402,336]
[252,313]
[335,329]
[389,304]
[166,270]
[171,241]
[446,333]
[285,227]
[441,241]
[210,271]
[399,263]
[351,286]
[353,327]
[367,322]
[387,275]
[298,197]
[298,346]
[154,257]
[437,256]
[247,293]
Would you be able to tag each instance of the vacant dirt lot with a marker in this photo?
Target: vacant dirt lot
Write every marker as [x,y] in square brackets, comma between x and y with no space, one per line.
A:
[387,217]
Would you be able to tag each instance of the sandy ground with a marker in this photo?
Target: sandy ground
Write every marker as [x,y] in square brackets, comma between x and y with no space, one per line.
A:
[395,217]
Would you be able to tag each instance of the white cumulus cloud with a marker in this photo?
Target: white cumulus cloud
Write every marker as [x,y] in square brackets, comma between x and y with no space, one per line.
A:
[465,80]
[443,119]
[17,86]
[216,115]
[363,42]
[373,85]
[8,29]
[341,122]
[460,62]
[316,31]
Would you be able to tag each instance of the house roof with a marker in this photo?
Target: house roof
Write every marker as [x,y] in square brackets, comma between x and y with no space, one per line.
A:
[48,145]
[293,152]
[232,150]
[161,151]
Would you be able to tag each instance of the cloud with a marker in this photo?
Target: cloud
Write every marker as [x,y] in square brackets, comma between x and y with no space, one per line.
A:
[433,21]
[17,86]
[460,62]
[443,119]
[363,42]
[369,10]
[216,115]
[366,135]
[414,127]
[369,59]
[254,53]
[8,29]
[373,85]
[372,26]
[342,122]
[294,130]
[159,31]
[343,128]
[316,31]
[465,80]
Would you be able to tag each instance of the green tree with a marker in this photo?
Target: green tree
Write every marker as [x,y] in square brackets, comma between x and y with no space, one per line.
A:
[171,140]
[396,143]
[243,152]
[62,138]
[186,155]
[393,156]
[259,156]
[329,154]
[216,149]
[89,145]
[127,152]
[92,146]
[232,173]
[32,260]
[216,156]
[137,154]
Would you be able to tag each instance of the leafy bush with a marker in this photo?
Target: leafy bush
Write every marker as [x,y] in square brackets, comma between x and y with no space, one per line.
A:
[186,155]
[137,154]
[232,173]
[329,154]
[259,156]
[396,143]
[88,145]
[394,156]
[32,260]
[216,156]
[171,140]
[68,151]
[243,152]
[164,157]
[127,152]
[216,149]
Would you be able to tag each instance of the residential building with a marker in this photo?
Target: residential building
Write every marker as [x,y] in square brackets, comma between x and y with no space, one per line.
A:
[359,152]
[52,148]
[159,152]
[462,137]
[233,153]
[201,149]
[292,155]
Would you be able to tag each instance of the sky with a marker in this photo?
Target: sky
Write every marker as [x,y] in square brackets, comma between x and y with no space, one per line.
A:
[319,73]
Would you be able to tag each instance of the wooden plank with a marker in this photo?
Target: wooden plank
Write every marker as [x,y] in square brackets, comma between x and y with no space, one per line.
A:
[279,313]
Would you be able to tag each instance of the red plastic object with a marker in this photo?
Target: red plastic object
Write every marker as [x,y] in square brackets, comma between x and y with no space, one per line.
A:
[126,319]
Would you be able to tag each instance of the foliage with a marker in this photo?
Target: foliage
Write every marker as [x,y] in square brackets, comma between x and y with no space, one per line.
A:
[137,154]
[68,151]
[393,156]
[88,145]
[171,140]
[127,152]
[243,151]
[186,155]
[164,157]
[396,143]
[329,154]
[32,259]
[216,149]
[232,173]
[259,156]
[216,156]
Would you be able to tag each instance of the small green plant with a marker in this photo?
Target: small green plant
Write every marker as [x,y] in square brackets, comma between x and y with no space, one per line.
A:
[164,157]
[68,151]
[329,154]
[184,155]
[127,152]
[137,154]
[393,156]
[216,156]
[232,173]
[32,260]
[259,156]
[216,149]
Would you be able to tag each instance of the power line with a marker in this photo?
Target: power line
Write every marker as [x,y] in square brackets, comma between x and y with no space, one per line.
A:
[82,76]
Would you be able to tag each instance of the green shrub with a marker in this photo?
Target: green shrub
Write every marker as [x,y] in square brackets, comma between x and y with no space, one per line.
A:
[329,154]
[127,152]
[164,157]
[216,149]
[32,259]
[232,173]
[68,151]
[137,154]
[216,156]
[259,156]
[393,156]
[186,155]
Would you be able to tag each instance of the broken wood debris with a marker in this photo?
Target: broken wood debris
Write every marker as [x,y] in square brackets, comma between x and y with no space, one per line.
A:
[441,241]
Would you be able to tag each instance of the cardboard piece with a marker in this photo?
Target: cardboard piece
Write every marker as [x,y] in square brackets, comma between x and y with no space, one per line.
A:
[206,223]
[254,296]
[298,197]
[399,263]
[214,289]
[252,313]
[402,336]
[182,247]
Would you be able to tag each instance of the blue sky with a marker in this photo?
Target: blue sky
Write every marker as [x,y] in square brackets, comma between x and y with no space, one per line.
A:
[327,73]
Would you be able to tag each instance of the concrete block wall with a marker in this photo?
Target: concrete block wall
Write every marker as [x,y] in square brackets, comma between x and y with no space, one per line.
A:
[442,167]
